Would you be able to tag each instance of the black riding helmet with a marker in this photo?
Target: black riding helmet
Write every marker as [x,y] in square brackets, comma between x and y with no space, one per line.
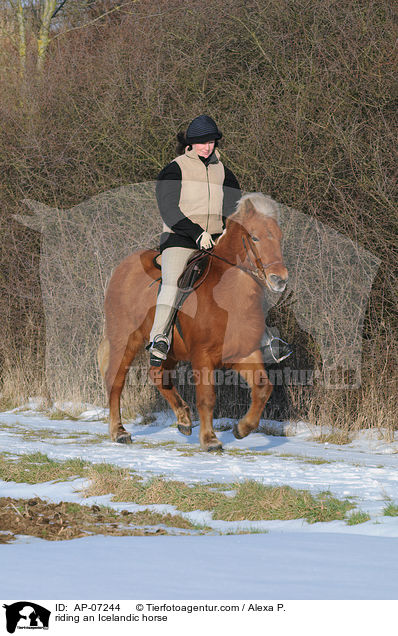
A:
[202,129]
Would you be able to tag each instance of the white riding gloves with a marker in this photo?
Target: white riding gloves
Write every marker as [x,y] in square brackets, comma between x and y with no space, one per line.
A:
[204,241]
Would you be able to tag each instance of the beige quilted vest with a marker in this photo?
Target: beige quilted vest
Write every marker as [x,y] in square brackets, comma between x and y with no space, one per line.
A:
[201,196]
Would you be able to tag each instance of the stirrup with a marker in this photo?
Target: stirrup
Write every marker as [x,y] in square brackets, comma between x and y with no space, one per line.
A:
[159,349]
[286,351]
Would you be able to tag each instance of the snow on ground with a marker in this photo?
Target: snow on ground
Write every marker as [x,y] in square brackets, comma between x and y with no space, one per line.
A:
[293,560]
[266,566]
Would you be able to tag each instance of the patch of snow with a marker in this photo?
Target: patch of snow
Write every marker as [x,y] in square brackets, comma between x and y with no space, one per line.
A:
[268,566]
[294,559]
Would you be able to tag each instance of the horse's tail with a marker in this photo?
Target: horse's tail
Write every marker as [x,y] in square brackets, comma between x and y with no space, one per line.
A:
[103,356]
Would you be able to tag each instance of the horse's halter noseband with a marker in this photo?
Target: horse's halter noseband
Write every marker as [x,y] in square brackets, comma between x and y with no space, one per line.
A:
[258,267]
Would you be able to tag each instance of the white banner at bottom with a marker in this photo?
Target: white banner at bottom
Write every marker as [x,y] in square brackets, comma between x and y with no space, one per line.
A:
[191,617]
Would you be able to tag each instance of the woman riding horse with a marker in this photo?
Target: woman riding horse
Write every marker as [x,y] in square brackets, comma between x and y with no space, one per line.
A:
[221,325]
[195,193]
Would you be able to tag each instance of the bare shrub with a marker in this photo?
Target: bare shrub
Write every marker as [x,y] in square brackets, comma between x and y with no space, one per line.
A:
[304,95]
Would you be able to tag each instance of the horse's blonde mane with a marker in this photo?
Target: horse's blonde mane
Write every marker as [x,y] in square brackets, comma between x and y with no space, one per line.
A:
[263,203]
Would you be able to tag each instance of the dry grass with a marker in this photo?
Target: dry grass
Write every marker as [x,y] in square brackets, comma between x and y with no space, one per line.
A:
[357,517]
[252,501]
[59,414]
[64,520]
[248,500]
[345,412]
[36,468]
[19,381]
[339,437]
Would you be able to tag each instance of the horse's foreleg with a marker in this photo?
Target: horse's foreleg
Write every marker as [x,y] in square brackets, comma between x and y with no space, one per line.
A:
[163,379]
[253,372]
[115,371]
[205,401]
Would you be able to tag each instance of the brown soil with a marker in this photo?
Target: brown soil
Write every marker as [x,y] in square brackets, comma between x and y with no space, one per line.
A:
[64,520]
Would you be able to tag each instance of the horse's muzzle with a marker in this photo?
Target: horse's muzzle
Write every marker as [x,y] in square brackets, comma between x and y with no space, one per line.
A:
[277,283]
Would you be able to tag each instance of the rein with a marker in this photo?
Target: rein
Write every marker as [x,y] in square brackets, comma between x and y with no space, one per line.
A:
[257,268]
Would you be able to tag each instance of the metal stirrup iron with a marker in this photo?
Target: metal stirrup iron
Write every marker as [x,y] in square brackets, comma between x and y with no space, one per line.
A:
[285,348]
[159,350]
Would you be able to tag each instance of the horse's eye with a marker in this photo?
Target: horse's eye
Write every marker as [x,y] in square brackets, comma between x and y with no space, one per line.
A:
[254,238]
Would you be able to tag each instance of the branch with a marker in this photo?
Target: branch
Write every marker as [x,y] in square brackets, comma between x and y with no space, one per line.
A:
[160,13]
[82,26]
[9,35]
[58,9]
[258,44]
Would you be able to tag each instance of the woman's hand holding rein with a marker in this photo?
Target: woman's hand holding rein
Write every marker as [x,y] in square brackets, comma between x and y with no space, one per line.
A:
[205,241]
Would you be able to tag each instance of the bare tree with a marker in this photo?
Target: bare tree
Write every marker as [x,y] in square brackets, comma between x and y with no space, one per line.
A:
[39,16]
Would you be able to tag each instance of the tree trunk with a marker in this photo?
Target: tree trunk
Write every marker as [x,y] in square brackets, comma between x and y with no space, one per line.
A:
[22,39]
[43,39]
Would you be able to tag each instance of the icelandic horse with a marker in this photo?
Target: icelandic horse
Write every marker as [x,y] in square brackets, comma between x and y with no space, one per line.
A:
[222,321]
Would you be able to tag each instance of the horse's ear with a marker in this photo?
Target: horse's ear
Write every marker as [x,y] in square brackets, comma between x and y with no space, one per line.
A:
[249,208]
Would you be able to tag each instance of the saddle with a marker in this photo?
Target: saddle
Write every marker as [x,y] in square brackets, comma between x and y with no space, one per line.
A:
[195,271]
[191,278]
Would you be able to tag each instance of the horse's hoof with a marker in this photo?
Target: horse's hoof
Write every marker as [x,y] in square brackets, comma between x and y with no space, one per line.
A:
[236,433]
[214,445]
[185,429]
[124,438]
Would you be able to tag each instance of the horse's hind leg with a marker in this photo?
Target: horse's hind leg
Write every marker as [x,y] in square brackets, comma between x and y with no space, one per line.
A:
[163,379]
[253,371]
[114,361]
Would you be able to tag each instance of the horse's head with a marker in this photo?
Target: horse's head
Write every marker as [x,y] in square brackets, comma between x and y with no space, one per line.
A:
[257,239]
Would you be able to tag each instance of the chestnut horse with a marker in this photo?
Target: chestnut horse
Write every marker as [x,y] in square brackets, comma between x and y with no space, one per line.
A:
[222,321]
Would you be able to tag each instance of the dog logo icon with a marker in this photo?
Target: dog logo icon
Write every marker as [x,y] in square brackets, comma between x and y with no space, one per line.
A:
[26,615]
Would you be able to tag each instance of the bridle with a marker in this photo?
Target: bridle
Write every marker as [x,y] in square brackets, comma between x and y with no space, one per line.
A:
[257,269]
[259,265]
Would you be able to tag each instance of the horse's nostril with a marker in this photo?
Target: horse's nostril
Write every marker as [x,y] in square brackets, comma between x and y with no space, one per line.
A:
[277,281]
